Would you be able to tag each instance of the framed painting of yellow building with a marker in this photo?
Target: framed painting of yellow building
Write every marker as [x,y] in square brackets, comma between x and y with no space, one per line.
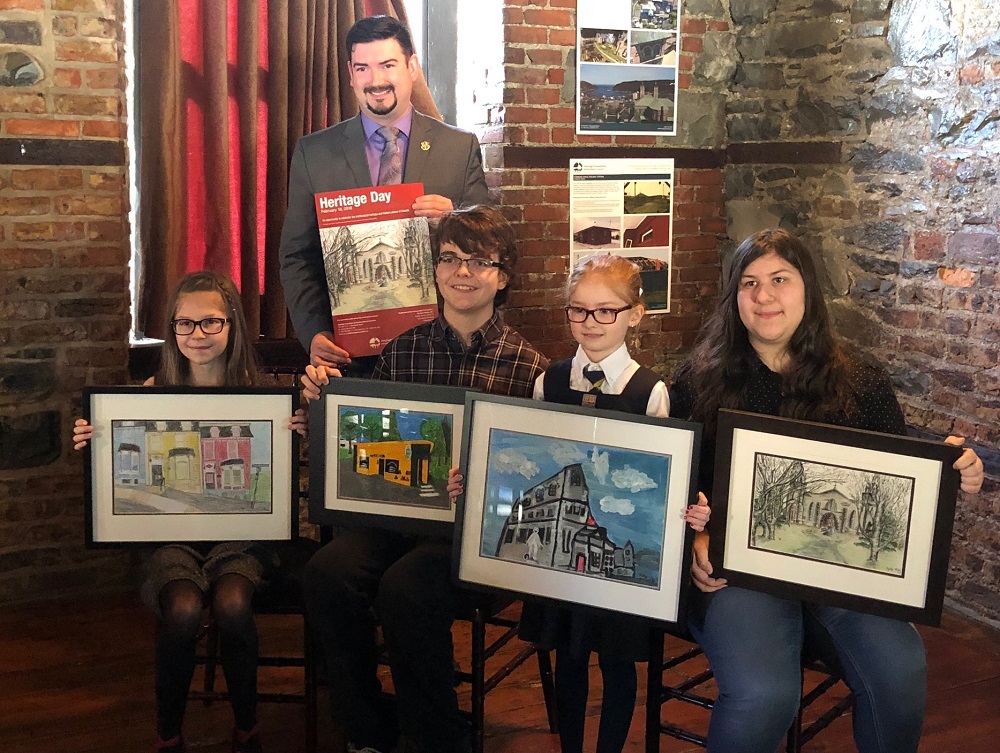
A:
[576,505]
[190,464]
[380,453]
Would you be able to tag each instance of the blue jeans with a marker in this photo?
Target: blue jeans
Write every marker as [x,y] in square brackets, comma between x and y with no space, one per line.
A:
[753,642]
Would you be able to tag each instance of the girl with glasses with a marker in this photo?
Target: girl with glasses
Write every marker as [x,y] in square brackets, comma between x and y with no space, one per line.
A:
[210,347]
[604,302]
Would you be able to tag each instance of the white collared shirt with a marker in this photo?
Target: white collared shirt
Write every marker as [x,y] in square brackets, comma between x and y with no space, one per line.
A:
[618,369]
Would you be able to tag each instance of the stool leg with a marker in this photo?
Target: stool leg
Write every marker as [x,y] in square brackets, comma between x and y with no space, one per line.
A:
[478,677]
[309,656]
[211,659]
[548,688]
[654,691]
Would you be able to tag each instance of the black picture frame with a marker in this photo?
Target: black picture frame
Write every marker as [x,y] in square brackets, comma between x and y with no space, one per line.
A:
[530,521]
[406,491]
[825,514]
[189,464]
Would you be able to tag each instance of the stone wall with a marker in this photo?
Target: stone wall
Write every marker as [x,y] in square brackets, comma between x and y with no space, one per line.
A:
[904,105]
[63,278]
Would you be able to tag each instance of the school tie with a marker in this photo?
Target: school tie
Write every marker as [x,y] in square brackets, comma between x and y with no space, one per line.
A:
[390,166]
[596,377]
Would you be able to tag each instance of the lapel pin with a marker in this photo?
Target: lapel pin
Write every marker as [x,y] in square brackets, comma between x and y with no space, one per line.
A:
[425,146]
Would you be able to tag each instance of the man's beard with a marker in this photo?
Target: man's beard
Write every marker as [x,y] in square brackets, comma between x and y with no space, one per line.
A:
[376,110]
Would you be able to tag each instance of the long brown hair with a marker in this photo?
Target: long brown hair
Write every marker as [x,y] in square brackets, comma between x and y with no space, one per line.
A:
[241,363]
[815,384]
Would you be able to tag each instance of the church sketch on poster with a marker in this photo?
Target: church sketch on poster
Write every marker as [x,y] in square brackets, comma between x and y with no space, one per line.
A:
[627,66]
[625,207]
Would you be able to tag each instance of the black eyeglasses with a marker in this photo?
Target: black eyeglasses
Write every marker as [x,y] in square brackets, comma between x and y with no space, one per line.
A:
[211,326]
[578,314]
[473,264]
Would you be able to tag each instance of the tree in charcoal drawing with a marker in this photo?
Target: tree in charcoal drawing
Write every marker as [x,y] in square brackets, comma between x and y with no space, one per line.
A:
[337,255]
[416,247]
[884,502]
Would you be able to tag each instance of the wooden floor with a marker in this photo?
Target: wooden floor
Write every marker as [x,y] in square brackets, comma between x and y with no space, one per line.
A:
[78,677]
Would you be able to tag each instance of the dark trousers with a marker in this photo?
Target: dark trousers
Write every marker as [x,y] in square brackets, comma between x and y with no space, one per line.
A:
[617,701]
[406,581]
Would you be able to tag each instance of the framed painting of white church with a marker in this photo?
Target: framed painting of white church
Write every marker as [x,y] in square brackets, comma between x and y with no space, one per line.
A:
[576,505]
[185,464]
[837,516]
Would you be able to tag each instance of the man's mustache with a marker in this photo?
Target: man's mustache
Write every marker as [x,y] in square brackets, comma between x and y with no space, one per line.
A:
[379,89]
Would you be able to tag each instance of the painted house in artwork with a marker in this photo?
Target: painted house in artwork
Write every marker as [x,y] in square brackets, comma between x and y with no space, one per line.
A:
[130,453]
[377,260]
[174,455]
[827,508]
[652,231]
[595,235]
[404,462]
[556,515]
[225,456]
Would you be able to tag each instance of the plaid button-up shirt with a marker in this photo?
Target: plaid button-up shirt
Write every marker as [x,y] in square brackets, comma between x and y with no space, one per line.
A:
[499,361]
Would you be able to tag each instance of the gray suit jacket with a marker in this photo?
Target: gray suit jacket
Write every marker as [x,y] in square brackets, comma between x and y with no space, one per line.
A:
[334,160]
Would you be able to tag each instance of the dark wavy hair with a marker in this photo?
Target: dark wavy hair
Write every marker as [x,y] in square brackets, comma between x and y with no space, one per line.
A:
[376,28]
[241,361]
[815,383]
[480,230]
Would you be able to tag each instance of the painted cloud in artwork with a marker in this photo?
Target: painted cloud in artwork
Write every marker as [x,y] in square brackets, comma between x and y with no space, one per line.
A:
[512,461]
[632,479]
[617,506]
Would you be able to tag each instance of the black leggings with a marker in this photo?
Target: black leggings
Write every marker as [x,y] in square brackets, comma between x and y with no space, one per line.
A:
[181,605]
[617,702]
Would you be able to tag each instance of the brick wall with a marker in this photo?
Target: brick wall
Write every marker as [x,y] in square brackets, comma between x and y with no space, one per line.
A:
[528,160]
[63,280]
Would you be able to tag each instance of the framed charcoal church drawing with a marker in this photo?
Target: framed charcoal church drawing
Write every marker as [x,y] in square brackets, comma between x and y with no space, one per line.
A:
[836,516]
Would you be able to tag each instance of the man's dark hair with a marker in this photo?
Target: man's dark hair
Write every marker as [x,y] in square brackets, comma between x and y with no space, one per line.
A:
[376,28]
[480,230]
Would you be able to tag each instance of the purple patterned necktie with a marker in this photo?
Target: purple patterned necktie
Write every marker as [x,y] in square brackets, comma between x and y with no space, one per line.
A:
[390,166]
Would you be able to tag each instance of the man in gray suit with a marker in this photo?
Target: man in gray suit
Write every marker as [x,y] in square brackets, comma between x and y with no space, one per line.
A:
[352,154]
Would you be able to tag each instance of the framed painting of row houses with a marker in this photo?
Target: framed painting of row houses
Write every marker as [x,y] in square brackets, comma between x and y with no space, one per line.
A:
[844,517]
[182,464]
[576,505]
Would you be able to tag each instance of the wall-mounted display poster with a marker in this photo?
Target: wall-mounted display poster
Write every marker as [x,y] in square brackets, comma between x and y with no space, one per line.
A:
[627,66]
[625,207]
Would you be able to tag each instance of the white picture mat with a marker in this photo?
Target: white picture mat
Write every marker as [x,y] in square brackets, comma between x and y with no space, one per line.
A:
[332,500]
[662,603]
[910,589]
[273,526]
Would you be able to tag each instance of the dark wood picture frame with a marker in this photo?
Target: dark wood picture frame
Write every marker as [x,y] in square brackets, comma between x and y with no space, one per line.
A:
[399,485]
[190,464]
[831,515]
[576,505]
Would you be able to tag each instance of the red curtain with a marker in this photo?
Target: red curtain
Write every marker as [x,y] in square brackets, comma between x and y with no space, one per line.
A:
[225,89]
